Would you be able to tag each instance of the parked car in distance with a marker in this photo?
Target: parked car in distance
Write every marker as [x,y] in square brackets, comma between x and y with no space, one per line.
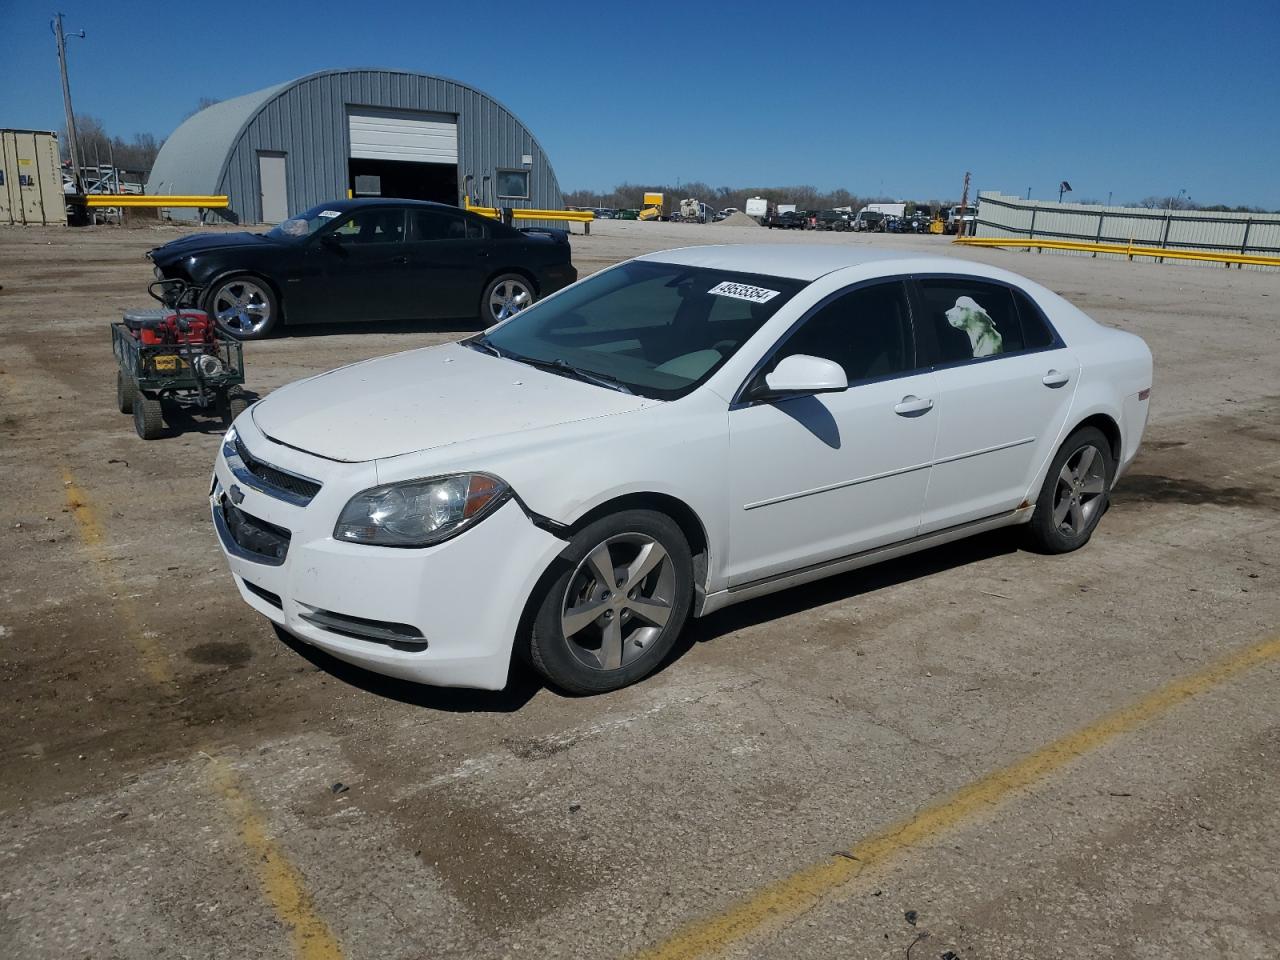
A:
[783,412]
[787,220]
[870,221]
[832,220]
[961,220]
[368,260]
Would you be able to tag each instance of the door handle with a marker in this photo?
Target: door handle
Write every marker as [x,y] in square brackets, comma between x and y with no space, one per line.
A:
[1054,379]
[400,260]
[913,406]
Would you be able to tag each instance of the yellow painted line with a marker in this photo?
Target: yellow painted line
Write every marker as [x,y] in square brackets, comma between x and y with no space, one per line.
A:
[282,884]
[92,535]
[786,899]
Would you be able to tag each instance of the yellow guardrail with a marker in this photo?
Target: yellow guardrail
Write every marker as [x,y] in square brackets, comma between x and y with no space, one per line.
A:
[153,200]
[570,216]
[1129,250]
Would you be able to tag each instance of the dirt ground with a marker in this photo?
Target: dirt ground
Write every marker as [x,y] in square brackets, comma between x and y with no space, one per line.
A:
[178,782]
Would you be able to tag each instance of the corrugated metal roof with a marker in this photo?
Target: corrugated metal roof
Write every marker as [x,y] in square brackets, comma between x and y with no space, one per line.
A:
[190,162]
[216,151]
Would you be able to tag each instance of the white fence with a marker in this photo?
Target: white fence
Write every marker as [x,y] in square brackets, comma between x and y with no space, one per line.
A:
[1249,233]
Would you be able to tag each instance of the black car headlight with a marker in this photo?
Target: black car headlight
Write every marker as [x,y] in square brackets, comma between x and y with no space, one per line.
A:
[419,513]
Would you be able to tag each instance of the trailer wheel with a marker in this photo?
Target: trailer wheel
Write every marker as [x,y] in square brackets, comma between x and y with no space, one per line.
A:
[148,418]
[232,403]
[125,390]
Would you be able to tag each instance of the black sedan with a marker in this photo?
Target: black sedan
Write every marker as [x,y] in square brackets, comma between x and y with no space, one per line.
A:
[368,260]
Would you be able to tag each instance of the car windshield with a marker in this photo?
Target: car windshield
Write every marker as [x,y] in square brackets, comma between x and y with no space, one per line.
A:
[654,329]
[305,224]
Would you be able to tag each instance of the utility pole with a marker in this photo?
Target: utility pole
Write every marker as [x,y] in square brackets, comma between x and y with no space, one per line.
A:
[73,144]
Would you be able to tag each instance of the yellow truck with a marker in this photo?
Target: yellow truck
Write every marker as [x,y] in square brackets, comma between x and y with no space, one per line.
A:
[652,207]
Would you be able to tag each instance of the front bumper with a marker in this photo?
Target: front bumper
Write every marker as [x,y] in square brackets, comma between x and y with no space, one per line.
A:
[464,597]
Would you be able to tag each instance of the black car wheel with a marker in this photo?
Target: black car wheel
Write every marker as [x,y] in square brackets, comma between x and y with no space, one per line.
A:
[504,297]
[612,614]
[243,306]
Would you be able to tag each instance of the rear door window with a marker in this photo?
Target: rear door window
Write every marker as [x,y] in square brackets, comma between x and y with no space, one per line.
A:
[970,319]
[427,225]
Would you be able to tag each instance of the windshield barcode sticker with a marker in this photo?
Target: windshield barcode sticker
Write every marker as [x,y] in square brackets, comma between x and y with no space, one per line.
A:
[329,214]
[743,291]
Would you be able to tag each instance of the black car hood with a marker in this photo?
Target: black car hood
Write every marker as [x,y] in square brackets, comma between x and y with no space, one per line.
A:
[199,243]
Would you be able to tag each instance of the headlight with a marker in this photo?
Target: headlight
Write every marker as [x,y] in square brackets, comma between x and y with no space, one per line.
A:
[159,273]
[418,513]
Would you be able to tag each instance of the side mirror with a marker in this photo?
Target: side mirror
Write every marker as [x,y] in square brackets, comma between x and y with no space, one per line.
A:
[801,374]
[332,242]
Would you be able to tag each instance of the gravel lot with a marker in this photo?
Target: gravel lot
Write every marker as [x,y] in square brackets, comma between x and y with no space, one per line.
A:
[179,783]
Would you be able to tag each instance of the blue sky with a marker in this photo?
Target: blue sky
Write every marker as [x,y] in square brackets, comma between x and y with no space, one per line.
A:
[1123,98]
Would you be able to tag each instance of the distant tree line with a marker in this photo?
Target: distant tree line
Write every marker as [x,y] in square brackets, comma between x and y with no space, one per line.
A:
[1186,203]
[627,196]
[99,148]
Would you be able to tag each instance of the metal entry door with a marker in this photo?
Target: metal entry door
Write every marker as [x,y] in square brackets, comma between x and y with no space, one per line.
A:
[273,188]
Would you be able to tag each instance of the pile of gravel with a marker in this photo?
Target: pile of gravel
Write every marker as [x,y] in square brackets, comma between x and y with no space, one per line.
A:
[739,219]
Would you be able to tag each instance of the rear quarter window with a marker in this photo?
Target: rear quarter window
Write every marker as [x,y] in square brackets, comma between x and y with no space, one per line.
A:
[1036,332]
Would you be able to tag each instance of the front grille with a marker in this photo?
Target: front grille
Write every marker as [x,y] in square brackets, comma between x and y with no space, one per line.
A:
[257,539]
[300,487]
[401,636]
[262,593]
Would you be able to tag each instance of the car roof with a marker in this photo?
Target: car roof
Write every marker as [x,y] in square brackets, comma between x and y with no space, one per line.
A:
[357,202]
[799,261]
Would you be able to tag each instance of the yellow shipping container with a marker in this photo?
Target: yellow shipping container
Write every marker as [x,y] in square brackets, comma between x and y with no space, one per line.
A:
[31,179]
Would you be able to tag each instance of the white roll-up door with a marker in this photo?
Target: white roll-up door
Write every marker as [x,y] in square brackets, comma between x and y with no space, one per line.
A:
[403,135]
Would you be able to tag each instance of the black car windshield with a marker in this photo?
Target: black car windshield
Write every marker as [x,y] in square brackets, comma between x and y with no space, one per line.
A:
[305,224]
[657,329]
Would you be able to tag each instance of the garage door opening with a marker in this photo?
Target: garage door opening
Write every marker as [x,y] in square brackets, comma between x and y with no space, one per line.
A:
[400,178]
[403,153]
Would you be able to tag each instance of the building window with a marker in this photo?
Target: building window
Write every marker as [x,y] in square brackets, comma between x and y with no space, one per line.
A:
[513,184]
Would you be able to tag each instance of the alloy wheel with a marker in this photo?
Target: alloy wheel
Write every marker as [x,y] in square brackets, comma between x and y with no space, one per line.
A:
[618,601]
[509,297]
[241,306]
[1079,492]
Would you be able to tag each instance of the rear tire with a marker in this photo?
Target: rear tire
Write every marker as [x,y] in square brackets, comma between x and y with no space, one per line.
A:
[125,390]
[232,403]
[1075,493]
[148,417]
[638,614]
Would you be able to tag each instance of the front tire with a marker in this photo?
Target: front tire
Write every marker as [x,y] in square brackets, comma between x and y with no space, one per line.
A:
[505,296]
[1074,495]
[614,611]
[244,307]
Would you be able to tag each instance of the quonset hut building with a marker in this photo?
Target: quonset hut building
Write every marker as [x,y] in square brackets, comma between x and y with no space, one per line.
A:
[388,133]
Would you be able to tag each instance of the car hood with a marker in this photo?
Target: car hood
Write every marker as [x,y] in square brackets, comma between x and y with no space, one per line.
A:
[199,243]
[424,399]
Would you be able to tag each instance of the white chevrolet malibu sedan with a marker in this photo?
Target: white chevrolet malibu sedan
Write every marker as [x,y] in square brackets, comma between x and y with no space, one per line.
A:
[680,432]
